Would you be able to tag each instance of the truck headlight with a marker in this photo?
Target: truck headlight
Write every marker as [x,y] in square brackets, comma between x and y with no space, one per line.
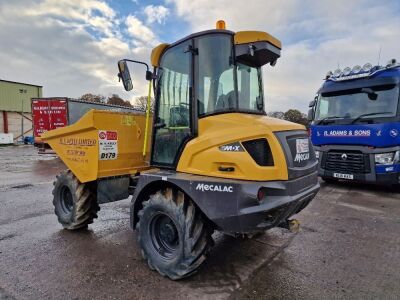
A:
[386,158]
[316,154]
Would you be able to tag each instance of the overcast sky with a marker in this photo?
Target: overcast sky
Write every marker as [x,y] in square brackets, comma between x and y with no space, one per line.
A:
[71,46]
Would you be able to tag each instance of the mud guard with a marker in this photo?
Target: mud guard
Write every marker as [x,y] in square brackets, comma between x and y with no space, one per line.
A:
[232,205]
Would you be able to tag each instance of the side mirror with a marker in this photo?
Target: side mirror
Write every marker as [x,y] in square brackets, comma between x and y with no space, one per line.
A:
[259,102]
[310,115]
[312,103]
[125,75]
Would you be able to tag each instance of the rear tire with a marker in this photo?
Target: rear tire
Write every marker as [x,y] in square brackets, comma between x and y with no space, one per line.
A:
[172,234]
[74,203]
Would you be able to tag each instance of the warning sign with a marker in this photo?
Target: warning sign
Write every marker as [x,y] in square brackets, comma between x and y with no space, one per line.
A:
[108,145]
[302,146]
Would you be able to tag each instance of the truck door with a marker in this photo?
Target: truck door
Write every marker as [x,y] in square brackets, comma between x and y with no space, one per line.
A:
[40,118]
[57,113]
[173,108]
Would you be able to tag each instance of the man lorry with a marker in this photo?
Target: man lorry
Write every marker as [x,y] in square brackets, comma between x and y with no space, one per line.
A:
[212,159]
[355,126]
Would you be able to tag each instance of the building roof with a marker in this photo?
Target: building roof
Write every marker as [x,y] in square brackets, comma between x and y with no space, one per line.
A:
[8,81]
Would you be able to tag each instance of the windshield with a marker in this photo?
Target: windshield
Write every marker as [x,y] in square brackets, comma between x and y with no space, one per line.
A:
[354,103]
[221,85]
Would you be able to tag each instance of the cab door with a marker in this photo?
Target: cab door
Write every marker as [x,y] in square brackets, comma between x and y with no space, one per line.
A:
[172,122]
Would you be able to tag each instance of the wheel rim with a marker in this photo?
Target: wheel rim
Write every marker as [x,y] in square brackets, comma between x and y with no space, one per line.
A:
[164,236]
[67,203]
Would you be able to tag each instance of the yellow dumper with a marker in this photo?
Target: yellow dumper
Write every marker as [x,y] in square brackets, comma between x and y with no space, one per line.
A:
[214,160]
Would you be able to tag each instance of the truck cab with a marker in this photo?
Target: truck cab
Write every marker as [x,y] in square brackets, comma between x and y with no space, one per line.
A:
[355,124]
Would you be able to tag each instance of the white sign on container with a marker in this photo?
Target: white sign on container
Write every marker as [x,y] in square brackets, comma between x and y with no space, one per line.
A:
[108,145]
[6,138]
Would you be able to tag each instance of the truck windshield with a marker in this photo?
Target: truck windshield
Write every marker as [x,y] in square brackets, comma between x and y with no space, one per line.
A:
[222,85]
[351,104]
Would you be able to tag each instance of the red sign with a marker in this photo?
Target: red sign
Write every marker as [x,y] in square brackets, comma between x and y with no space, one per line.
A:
[108,135]
[102,135]
[111,135]
[48,114]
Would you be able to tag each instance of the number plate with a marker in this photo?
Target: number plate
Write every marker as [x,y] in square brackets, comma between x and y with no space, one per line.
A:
[343,176]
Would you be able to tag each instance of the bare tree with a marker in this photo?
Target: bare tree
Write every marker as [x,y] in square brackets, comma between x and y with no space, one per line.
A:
[117,100]
[141,103]
[93,98]
[276,114]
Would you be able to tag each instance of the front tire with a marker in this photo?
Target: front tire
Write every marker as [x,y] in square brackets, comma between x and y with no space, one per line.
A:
[74,203]
[172,234]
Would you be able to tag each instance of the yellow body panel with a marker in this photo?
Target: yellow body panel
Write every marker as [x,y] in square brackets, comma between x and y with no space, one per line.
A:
[156,54]
[79,147]
[245,37]
[202,156]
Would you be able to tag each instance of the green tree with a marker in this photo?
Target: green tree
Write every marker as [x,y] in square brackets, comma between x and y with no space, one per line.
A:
[295,116]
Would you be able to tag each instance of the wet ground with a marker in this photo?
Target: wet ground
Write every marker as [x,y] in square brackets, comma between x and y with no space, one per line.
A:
[348,247]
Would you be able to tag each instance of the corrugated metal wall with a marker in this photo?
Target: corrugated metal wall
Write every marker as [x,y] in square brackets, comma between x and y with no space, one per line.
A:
[15,126]
[11,99]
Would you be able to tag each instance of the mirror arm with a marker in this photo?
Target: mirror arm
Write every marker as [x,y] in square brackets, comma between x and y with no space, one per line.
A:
[138,62]
[149,74]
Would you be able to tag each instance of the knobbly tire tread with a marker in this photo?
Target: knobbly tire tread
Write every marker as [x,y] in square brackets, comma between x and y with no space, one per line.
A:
[194,234]
[85,206]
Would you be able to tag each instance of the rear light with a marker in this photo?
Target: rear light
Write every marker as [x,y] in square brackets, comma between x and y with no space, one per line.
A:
[261,194]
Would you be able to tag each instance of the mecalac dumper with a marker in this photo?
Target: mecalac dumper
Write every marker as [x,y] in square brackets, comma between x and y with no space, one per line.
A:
[211,160]
[355,126]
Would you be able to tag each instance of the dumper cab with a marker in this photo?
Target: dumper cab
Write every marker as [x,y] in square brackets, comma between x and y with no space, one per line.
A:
[210,130]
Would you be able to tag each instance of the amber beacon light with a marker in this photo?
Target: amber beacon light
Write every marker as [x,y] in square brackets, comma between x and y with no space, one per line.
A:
[220,24]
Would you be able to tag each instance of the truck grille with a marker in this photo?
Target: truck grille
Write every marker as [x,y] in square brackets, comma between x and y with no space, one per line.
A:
[346,162]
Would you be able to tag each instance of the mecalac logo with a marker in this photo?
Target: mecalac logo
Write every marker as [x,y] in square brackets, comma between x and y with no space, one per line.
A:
[233,147]
[301,157]
[302,150]
[214,188]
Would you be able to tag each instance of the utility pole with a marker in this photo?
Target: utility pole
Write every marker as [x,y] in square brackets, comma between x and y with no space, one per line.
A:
[22,91]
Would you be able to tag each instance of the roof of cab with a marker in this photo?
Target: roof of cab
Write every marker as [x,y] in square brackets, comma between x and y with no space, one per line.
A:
[240,37]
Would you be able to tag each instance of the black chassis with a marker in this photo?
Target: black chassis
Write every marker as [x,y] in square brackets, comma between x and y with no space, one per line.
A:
[232,205]
[371,176]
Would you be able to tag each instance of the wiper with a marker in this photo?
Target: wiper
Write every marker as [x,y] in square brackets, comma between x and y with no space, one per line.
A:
[328,118]
[370,114]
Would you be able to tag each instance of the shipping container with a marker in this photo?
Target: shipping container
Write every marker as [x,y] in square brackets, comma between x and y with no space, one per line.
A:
[56,112]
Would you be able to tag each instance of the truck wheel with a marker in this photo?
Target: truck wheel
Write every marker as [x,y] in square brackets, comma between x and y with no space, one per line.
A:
[74,204]
[172,234]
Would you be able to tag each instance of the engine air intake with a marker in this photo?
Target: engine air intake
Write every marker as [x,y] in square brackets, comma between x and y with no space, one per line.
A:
[260,151]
